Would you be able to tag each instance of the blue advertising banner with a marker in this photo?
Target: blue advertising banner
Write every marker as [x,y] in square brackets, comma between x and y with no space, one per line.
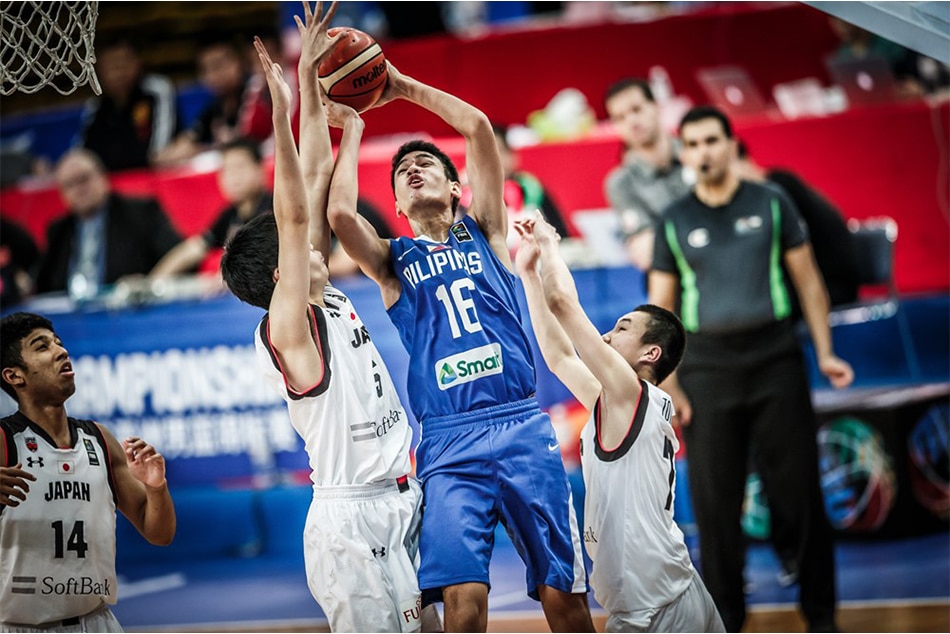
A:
[184,376]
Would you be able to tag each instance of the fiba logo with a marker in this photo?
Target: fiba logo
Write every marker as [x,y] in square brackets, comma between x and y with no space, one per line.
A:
[929,464]
[857,477]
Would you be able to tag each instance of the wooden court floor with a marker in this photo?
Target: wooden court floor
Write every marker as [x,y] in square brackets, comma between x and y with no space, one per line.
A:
[896,616]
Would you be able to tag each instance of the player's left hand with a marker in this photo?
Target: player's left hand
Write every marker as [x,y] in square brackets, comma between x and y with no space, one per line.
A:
[337,113]
[395,86]
[146,464]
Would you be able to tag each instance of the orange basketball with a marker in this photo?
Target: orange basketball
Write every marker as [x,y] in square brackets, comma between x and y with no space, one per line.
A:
[354,71]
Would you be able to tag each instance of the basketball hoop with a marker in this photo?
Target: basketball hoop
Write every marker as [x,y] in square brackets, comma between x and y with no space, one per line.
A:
[47,44]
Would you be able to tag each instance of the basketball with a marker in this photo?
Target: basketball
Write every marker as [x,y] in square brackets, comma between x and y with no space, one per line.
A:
[354,71]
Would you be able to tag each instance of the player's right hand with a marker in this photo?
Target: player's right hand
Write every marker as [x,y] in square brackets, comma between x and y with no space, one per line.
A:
[395,86]
[14,485]
[526,260]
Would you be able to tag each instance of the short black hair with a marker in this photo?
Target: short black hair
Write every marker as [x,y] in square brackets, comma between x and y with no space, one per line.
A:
[14,328]
[247,144]
[665,330]
[451,172]
[625,84]
[249,261]
[701,113]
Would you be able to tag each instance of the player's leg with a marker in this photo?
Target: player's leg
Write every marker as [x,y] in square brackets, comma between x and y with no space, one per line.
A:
[466,607]
[458,525]
[565,611]
[538,512]
[358,567]
[692,611]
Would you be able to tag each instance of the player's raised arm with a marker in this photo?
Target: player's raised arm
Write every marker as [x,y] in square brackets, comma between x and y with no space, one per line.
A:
[316,150]
[482,161]
[355,232]
[554,342]
[618,379]
[289,326]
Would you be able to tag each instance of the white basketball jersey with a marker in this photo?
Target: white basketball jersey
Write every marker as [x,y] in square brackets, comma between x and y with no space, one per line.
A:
[640,561]
[352,422]
[57,548]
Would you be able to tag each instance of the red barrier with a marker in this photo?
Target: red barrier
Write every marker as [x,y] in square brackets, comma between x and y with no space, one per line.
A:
[885,160]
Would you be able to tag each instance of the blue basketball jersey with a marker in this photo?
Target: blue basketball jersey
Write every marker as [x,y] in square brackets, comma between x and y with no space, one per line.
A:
[459,319]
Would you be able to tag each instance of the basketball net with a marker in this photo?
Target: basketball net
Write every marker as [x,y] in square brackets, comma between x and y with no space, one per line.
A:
[47,44]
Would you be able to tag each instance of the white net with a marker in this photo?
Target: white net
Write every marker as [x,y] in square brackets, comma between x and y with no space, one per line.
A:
[47,44]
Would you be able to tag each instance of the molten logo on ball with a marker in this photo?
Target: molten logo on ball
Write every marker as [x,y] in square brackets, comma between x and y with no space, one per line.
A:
[371,77]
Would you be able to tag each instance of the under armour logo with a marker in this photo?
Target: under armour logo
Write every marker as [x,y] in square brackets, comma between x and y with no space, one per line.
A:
[379,553]
[34,462]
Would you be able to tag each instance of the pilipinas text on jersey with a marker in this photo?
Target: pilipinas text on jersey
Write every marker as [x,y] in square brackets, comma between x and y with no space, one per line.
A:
[458,317]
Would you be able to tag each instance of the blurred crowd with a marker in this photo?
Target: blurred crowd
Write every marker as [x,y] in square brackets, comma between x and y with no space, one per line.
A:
[108,237]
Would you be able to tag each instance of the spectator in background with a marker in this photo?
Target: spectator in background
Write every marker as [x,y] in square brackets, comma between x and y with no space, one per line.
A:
[916,74]
[827,231]
[650,175]
[742,390]
[243,181]
[222,69]
[18,259]
[136,115]
[105,236]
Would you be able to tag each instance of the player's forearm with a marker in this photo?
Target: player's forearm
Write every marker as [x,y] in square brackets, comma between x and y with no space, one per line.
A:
[465,118]
[344,188]
[159,521]
[560,293]
[316,149]
[553,342]
[290,200]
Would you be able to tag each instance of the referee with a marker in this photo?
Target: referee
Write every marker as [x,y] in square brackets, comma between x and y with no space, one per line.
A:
[742,390]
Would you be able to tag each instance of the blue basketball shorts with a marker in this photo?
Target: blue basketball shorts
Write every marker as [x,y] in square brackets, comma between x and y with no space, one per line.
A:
[497,463]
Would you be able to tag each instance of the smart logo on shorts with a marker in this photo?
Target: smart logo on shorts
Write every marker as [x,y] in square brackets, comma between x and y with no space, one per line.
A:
[468,366]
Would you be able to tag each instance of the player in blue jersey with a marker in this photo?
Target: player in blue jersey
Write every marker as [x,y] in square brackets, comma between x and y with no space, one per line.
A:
[488,452]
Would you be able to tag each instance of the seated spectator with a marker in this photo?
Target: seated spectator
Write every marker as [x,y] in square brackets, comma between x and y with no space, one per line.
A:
[524,193]
[222,69]
[242,180]
[136,115]
[916,74]
[340,264]
[830,238]
[18,258]
[105,236]
[650,176]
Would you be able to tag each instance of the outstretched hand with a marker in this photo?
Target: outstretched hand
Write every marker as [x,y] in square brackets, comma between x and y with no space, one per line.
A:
[14,485]
[526,260]
[395,86]
[315,43]
[279,89]
[146,464]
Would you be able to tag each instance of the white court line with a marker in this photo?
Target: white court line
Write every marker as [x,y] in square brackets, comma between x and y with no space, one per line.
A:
[129,589]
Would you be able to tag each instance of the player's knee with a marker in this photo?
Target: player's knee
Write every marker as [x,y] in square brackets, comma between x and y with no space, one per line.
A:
[466,607]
